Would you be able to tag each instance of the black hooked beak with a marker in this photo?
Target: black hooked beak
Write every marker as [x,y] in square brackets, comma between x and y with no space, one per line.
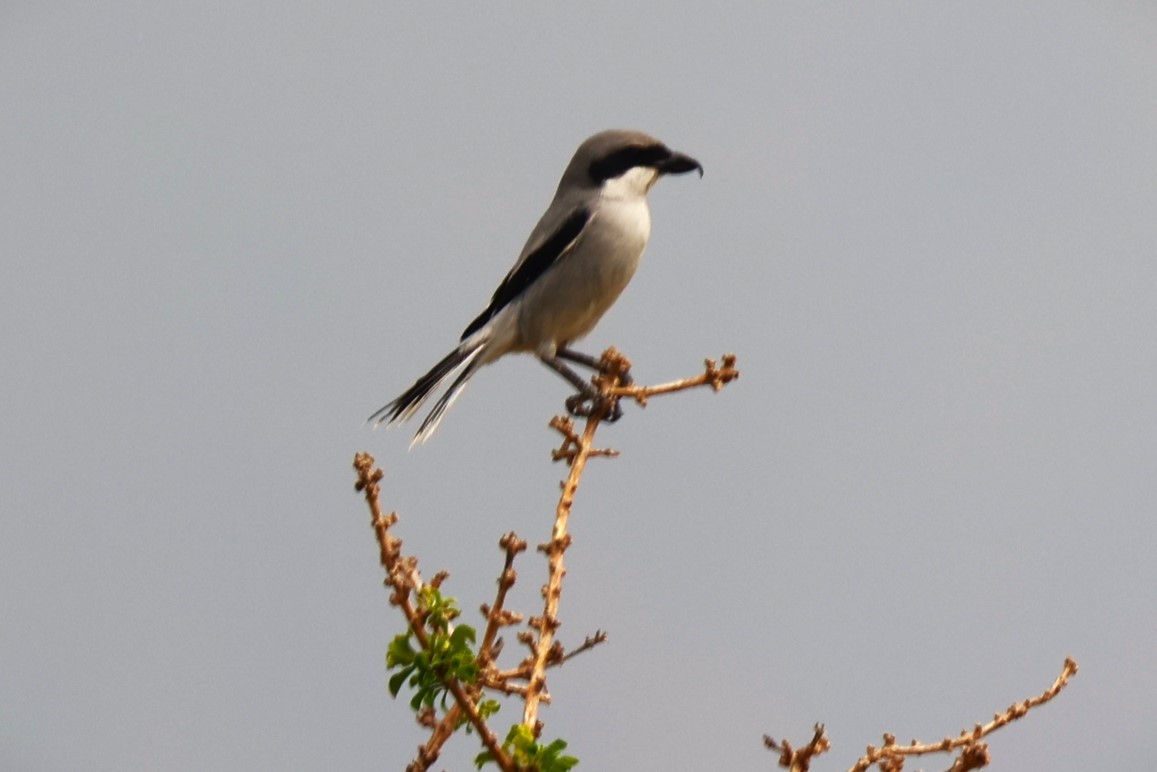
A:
[677,163]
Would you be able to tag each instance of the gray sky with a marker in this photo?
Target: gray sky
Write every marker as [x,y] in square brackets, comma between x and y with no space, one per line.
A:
[230,232]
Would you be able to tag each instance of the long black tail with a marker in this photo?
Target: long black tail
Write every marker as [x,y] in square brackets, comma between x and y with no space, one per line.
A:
[430,423]
[411,400]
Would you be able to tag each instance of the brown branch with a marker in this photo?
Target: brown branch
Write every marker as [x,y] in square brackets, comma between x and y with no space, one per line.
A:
[971,757]
[443,730]
[799,761]
[713,375]
[612,382]
[496,615]
[403,577]
[576,450]
[588,643]
[974,754]
[402,574]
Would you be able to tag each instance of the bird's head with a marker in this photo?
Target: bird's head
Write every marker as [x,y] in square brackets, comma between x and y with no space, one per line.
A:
[629,160]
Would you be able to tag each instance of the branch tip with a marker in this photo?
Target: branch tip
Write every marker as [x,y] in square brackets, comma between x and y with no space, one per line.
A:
[973,753]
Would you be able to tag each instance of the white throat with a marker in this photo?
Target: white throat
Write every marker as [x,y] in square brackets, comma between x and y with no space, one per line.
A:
[634,183]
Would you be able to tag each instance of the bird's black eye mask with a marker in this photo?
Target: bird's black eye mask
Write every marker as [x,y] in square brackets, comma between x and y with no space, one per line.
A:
[623,160]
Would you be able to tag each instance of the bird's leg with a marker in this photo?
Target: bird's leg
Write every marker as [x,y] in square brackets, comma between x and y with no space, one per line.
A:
[586,387]
[594,363]
[578,357]
[587,391]
[576,406]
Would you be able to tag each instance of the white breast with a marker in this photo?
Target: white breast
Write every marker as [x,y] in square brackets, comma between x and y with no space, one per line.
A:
[566,304]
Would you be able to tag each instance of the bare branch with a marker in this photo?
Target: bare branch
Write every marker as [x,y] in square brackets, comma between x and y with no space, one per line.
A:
[402,574]
[576,450]
[497,616]
[612,382]
[588,643]
[974,754]
[713,375]
[799,761]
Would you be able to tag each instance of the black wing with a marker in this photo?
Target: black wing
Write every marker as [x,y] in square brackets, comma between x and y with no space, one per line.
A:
[535,265]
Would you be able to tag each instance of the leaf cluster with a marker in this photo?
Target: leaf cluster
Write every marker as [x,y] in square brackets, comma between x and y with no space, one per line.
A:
[448,655]
[528,753]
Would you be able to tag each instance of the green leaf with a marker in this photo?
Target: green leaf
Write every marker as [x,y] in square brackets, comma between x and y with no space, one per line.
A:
[396,681]
[462,636]
[400,652]
[532,755]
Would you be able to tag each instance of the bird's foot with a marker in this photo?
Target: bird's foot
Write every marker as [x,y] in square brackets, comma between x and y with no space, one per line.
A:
[585,406]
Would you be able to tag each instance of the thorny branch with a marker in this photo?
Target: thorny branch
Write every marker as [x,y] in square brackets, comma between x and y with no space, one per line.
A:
[528,678]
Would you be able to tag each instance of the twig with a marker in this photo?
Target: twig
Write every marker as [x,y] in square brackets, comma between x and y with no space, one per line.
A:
[497,616]
[402,574]
[799,761]
[588,643]
[975,753]
[576,450]
[548,623]
[713,375]
[443,730]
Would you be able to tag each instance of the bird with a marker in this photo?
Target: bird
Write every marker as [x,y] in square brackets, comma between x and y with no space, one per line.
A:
[575,264]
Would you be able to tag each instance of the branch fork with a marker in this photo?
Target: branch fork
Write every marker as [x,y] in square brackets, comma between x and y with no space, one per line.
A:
[526,680]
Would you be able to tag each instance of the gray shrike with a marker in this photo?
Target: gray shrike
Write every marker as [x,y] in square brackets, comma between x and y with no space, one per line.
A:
[577,261]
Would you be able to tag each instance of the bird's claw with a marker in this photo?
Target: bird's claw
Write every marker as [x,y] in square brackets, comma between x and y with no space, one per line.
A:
[583,406]
[577,406]
[615,413]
